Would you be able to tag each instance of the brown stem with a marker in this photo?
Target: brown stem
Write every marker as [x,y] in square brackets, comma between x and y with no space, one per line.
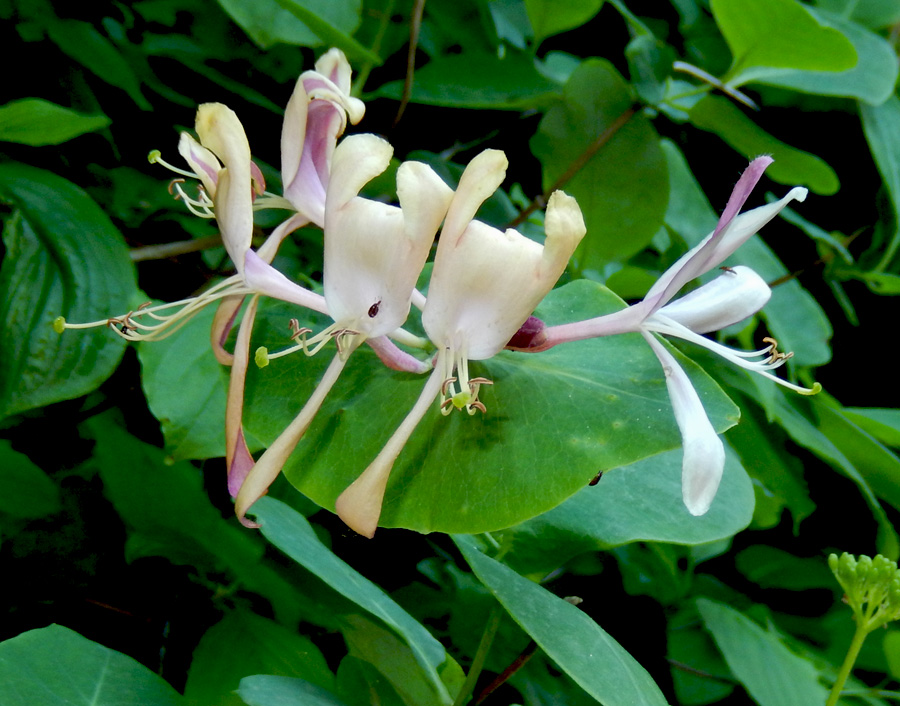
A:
[181,247]
[577,165]
[514,667]
[415,22]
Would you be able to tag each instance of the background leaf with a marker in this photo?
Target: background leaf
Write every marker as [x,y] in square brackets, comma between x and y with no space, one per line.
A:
[54,666]
[570,638]
[771,673]
[779,33]
[623,188]
[36,122]
[63,257]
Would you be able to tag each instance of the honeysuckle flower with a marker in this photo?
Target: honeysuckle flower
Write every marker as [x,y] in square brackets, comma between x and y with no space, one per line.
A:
[484,285]
[731,297]
[374,253]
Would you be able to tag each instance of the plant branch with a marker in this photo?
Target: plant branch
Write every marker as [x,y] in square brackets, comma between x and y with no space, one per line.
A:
[577,165]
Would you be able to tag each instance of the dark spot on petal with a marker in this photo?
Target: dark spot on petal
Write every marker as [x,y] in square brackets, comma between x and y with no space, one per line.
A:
[373,310]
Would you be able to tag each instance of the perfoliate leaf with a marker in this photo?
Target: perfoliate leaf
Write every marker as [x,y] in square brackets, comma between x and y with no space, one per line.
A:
[553,420]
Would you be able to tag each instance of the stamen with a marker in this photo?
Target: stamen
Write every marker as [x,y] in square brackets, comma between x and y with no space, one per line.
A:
[774,355]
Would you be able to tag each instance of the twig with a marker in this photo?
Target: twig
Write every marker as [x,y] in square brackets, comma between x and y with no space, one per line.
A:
[578,164]
[415,22]
[180,247]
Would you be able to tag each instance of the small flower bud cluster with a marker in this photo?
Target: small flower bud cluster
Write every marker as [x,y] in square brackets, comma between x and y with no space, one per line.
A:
[871,586]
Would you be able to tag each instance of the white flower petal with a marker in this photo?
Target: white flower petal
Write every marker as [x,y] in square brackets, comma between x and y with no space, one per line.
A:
[731,297]
[704,454]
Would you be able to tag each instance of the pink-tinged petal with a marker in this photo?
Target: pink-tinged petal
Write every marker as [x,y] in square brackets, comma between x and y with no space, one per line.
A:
[262,278]
[203,162]
[306,188]
[395,358]
[359,506]
[705,256]
[269,249]
[627,320]
[731,297]
[334,66]
[269,465]
[238,460]
[293,133]
[742,190]
[704,454]
[234,214]
[221,327]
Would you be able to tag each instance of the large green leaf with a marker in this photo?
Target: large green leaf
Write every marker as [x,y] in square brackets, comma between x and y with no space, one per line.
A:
[771,673]
[781,34]
[793,167]
[476,79]
[63,257]
[580,647]
[291,533]
[640,502]
[883,424]
[244,644]
[871,80]
[35,122]
[185,387]
[623,188]
[55,666]
[553,420]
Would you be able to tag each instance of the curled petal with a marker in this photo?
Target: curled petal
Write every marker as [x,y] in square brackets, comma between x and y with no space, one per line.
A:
[269,465]
[221,131]
[731,297]
[704,454]
[564,226]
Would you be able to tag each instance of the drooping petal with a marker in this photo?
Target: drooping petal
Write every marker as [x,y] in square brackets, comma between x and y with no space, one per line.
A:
[359,506]
[731,297]
[238,460]
[704,454]
[266,470]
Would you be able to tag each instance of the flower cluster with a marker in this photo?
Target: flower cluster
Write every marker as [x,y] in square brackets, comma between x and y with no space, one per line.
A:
[484,286]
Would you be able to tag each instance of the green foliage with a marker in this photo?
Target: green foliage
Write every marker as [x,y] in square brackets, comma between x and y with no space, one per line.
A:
[576,643]
[55,665]
[51,269]
[622,187]
[36,122]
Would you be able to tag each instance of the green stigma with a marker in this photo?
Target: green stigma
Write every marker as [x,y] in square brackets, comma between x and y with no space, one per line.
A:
[59,324]
[261,358]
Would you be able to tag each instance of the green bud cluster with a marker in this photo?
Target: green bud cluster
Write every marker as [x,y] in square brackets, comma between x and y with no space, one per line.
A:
[871,586]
